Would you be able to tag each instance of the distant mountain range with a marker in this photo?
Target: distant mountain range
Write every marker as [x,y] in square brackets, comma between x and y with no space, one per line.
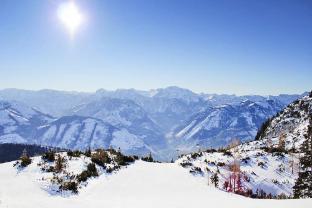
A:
[161,121]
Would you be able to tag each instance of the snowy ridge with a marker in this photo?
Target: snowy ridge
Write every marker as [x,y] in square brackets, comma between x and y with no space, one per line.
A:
[270,172]
[292,122]
[269,164]
[217,126]
[140,184]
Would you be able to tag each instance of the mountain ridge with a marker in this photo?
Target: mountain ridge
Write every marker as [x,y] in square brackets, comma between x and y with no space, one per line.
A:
[152,117]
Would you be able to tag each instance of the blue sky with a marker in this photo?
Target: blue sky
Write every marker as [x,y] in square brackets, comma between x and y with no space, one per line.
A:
[241,47]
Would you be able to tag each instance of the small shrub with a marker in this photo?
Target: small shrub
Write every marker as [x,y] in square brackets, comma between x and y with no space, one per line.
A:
[245,160]
[111,169]
[196,170]
[195,155]
[92,169]
[227,153]
[186,164]
[212,163]
[211,150]
[149,158]
[275,181]
[50,169]
[281,168]
[69,186]
[90,172]
[83,176]
[246,178]
[215,179]
[100,157]
[25,159]
[49,156]
[112,151]
[123,160]
[261,164]
[59,163]
[278,154]
[87,153]
[282,195]
[75,153]
[221,164]
[274,150]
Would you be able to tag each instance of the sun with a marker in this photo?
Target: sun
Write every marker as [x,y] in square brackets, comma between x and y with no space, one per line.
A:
[70,15]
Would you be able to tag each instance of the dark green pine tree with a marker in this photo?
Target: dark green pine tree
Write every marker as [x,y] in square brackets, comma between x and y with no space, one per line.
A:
[303,185]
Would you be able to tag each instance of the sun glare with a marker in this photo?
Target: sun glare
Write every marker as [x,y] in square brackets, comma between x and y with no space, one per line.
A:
[70,15]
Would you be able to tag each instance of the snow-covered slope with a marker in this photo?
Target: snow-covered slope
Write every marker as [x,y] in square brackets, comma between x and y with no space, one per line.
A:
[270,163]
[142,184]
[78,132]
[216,126]
[260,170]
[18,121]
[126,114]
[167,107]
[22,124]
[292,122]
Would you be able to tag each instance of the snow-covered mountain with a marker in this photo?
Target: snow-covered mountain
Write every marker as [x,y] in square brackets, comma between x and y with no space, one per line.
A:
[223,99]
[124,113]
[168,107]
[164,119]
[292,122]
[19,121]
[78,132]
[22,124]
[51,102]
[266,166]
[216,126]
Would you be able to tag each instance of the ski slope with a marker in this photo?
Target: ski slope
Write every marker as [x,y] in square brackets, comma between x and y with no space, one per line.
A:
[139,185]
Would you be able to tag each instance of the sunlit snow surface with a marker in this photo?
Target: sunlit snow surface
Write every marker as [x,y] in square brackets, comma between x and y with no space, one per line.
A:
[139,185]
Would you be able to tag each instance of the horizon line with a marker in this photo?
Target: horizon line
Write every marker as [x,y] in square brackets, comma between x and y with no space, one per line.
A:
[149,90]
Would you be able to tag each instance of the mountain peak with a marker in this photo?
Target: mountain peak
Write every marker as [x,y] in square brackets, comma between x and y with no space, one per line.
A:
[175,92]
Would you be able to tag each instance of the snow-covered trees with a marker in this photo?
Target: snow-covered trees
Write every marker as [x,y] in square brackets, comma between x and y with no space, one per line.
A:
[303,186]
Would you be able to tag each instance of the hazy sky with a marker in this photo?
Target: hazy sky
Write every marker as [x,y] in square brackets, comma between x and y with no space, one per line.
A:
[242,47]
